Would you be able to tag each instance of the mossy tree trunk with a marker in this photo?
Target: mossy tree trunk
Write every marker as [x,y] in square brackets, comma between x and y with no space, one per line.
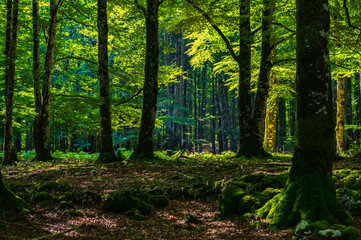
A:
[340,115]
[145,144]
[258,118]
[9,200]
[282,126]
[10,156]
[107,153]
[270,126]
[42,148]
[309,193]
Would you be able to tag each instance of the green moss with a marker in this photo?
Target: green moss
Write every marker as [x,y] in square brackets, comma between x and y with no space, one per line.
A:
[271,192]
[66,205]
[349,233]
[42,196]
[264,211]
[124,201]
[246,216]
[307,197]
[9,200]
[56,186]
[84,197]
[189,218]
[229,200]
[136,215]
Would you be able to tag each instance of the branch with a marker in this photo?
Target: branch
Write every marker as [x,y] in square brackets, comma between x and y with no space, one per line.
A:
[283,60]
[215,27]
[283,26]
[282,40]
[129,99]
[72,57]
[72,96]
[141,8]
[256,30]
[348,16]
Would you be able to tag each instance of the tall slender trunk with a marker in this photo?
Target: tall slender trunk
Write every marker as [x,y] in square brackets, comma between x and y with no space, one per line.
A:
[244,95]
[36,75]
[195,109]
[282,128]
[150,89]
[213,118]
[348,108]
[107,153]
[43,150]
[357,98]
[10,156]
[258,117]
[340,116]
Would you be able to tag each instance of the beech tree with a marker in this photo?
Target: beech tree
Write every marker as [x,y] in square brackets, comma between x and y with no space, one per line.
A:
[309,193]
[42,125]
[145,141]
[10,56]
[107,153]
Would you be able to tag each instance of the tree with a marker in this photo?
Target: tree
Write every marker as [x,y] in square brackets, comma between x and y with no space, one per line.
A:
[10,56]
[145,141]
[309,193]
[107,153]
[8,199]
[42,129]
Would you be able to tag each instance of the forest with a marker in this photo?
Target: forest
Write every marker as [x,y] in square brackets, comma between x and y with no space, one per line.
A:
[180,119]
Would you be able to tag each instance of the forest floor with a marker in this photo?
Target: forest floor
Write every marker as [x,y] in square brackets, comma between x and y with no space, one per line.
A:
[86,220]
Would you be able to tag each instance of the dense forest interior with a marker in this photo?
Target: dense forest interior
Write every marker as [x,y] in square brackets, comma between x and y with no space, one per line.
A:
[180,119]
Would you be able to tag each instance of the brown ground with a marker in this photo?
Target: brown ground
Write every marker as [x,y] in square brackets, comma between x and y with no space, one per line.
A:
[166,223]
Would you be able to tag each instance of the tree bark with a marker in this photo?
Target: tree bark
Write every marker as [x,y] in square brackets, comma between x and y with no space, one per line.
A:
[144,148]
[309,193]
[340,116]
[10,156]
[258,117]
[282,127]
[36,75]
[244,95]
[43,150]
[107,153]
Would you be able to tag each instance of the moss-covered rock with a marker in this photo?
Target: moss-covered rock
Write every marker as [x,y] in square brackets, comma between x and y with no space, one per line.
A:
[136,215]
[189,218]
[123,201]
[56,186]
[42,197]
[81,198]
[66,205]
[322,230]
[271,192]
[266,209]
[229,200]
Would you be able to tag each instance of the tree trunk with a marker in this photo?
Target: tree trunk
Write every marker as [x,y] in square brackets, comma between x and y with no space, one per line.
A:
[340,116]
[43,150]
[270,126]
[348,108]
[213,117]
[36,75]
[10,156]
[8,199]
[195,113]
[107,153]
[244,95]
[282,127]
[258,117]
[144,148]
[309,193]
[357,98]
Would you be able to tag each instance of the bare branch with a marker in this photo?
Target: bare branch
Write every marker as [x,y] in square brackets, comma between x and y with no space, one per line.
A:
[73,57]
[348,16]
[284,27]
[129,99]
